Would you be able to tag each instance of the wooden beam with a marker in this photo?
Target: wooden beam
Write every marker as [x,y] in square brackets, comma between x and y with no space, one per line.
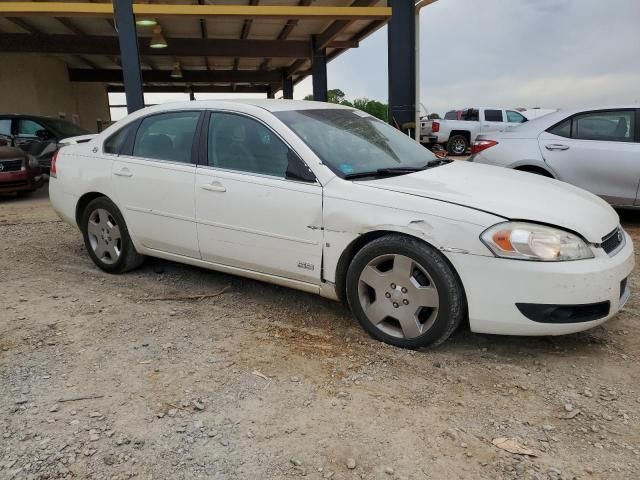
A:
[36,31]
[195,88]
[179,47]
[23,25]
[188,76]
[244,34]
[69,25]
[285,32]
[337,27]
[76,9]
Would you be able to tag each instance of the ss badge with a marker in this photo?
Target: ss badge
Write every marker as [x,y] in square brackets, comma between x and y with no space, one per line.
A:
[306,266]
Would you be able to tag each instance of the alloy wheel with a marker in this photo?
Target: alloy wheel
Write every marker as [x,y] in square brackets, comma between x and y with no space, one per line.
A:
[398,296]
[104,236]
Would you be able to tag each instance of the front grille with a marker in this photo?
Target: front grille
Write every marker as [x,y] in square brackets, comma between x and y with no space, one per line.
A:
[611,242]
[10,165]
[19,183]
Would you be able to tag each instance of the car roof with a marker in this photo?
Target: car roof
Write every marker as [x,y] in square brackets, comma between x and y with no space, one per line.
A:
[270,105]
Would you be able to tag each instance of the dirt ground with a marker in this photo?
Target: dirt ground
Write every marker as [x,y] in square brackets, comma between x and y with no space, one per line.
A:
[98,381]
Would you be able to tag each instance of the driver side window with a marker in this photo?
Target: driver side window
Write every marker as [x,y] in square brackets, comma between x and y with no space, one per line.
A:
[237,142]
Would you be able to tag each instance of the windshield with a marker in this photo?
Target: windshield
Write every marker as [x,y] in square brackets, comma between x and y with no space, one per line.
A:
[65,129]
[351,142]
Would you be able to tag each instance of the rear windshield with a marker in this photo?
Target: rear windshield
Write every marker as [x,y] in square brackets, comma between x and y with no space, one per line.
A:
[65,129]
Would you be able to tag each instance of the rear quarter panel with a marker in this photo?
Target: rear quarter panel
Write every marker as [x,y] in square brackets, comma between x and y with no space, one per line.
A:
[80,170]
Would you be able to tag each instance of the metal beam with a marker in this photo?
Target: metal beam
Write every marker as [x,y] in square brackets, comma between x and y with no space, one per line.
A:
[402,64]
[319,72]
[188,76]
[194,88]
[128,40]
[287,85]
[179,47]
[77,9]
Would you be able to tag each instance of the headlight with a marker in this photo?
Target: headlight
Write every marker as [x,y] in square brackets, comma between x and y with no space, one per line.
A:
[33,162]
[529,241]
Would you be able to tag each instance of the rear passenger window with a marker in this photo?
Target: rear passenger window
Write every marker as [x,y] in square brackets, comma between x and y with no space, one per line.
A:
[613,126]
[167,136]
[493,115]
[562,129]
[115,142]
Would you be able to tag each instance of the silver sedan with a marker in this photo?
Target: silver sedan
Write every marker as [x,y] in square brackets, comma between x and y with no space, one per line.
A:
[595,149]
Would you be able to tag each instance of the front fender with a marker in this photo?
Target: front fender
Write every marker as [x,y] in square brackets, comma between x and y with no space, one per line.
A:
[352,211]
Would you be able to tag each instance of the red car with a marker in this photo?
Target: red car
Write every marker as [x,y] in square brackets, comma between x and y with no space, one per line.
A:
[19,171]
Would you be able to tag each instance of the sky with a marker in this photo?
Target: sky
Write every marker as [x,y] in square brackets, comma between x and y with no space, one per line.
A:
[509,53]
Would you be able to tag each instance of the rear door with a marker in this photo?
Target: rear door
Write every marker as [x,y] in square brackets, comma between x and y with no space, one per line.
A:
[154,181]
[598,151]
[493,120]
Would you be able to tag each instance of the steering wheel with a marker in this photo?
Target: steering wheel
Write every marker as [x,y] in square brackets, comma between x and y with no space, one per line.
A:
[243,155]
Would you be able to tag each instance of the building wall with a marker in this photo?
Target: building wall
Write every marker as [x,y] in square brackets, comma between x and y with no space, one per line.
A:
[39,85]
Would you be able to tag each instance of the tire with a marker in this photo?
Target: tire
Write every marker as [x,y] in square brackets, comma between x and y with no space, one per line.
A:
[457,145]
[429,302]
[106,237]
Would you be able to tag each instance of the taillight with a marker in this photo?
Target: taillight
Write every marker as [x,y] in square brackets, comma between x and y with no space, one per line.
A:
[435,127]
[480,145]
[54,167]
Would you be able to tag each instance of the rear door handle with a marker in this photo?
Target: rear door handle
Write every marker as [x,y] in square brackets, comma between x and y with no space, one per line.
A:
[214,187]
[556,146]
[124,172]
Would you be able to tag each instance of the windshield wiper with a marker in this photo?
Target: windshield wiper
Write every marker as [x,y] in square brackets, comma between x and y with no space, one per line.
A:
[383,172]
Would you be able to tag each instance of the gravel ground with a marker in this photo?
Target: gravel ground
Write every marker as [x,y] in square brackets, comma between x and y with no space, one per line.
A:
[99,381]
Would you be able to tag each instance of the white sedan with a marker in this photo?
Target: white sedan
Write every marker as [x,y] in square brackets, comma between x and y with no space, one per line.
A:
[330,200]
[595,149]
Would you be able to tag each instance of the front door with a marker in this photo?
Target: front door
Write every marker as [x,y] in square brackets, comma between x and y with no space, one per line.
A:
[597,151]
[155,183]
[249,214]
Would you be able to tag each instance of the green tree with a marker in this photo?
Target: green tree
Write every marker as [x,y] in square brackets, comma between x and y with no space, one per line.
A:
[335,95]
[372,107]
[433,116]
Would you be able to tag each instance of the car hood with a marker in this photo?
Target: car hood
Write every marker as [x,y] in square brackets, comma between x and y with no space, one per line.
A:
[510,194]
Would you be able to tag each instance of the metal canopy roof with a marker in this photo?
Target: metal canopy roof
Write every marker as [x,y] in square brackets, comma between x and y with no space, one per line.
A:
[220,45]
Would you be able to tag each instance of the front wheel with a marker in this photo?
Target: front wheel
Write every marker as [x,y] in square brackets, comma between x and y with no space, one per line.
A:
[403,292]
[106,237]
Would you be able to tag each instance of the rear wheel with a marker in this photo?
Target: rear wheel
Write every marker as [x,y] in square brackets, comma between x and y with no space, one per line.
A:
[457,145]
[107,239]
[403,292]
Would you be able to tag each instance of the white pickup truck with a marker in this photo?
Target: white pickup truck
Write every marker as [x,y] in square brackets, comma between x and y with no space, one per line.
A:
[460,128]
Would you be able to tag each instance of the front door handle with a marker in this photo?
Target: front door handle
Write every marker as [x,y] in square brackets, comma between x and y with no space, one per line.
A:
[214,187]
[124,172]
[556,146]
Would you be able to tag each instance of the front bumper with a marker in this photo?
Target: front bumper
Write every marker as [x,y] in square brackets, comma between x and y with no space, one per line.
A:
[20,181]
[494,286]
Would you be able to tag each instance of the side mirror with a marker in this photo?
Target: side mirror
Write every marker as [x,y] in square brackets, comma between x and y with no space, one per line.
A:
[43,134]
[298,170]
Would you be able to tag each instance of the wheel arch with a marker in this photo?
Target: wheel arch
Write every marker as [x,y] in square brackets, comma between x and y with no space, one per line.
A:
[464,133]
[535,168]
[360,242]
[83,201]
